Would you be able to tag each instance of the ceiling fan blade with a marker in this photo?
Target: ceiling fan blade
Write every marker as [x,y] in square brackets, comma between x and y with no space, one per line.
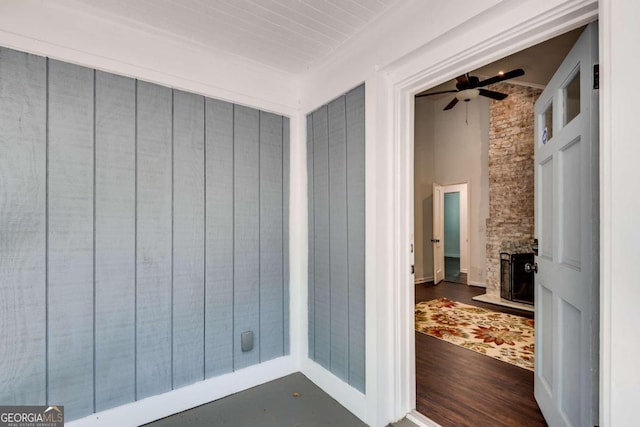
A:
[493,95]
[506,76]
[436,93]
[452,104]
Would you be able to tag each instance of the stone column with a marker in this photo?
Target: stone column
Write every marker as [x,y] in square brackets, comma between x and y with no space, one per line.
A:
[511,175]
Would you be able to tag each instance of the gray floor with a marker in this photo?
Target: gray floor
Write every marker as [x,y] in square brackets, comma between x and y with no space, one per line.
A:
[404,423]
[271,404]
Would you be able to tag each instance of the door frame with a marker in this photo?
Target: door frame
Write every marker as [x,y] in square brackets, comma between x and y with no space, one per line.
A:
[401,86]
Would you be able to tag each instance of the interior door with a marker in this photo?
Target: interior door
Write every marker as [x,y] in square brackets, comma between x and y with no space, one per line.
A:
[566,212]
[438,233]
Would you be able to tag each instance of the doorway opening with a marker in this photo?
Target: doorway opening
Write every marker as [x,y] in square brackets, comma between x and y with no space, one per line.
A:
[476,123]
[452,268]
[450,233]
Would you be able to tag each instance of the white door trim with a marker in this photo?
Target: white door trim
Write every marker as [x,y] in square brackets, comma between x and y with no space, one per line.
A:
[401,83]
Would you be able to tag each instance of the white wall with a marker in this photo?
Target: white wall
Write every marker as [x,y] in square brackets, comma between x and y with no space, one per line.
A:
[461,153]
[458,142]
[423,155]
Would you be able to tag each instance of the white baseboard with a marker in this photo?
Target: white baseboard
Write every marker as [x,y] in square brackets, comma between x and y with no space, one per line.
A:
[478,284]
[464,270]
[162,405]
[420,420]
[346,395]
[423,280]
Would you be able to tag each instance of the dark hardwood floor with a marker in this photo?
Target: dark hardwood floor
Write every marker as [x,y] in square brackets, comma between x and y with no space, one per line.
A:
[458,387]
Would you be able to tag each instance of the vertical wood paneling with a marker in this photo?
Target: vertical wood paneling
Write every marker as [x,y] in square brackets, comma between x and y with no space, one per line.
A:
[219,238]
[338,239]
[285,231]
[71,293]
[336,191]
[114,241]
[142,230]
[154,232]
[246,233]
[355,119]
[188,242]
[311,241]
[322,281]
[271,275]
[22,228]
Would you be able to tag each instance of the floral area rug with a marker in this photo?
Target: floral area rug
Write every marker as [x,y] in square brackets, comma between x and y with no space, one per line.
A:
[502,336]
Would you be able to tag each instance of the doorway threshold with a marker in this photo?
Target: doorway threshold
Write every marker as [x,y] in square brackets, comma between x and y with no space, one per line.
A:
[503,302]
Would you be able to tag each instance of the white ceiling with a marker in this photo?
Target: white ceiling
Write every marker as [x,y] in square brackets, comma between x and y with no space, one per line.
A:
[289,35]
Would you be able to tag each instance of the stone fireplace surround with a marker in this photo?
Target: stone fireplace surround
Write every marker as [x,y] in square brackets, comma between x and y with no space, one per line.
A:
[511,180]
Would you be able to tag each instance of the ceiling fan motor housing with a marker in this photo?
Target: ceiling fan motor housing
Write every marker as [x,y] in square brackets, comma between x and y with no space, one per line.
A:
[470,83]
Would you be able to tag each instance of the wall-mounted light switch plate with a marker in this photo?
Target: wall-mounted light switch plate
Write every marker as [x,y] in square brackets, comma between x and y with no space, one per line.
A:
[246,341]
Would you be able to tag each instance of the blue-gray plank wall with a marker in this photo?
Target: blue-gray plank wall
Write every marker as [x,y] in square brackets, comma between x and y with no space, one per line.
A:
[115,198]
[23,116]
[335,165]
[188,240]
[321,228]
[246,232]
[285,232]
[219,238]
[142,230]
[154,239]
[70,237]
[356,235]
[271,249]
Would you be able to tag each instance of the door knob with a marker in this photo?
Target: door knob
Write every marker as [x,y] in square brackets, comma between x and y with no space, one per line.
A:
[528,267]
[435,240]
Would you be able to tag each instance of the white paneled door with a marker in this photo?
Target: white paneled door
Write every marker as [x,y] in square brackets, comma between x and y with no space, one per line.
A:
[438,233]
[566,211]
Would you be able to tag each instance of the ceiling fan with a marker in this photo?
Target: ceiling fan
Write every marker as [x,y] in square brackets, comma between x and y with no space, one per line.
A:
[469,87]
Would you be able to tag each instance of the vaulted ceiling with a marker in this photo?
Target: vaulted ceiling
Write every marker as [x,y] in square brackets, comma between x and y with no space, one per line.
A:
[289,35]
[539,63]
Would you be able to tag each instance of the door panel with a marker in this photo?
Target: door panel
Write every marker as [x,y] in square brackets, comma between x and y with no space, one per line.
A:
[544,325]
[546,209]
[570,350]
[570,212]
[566,218]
